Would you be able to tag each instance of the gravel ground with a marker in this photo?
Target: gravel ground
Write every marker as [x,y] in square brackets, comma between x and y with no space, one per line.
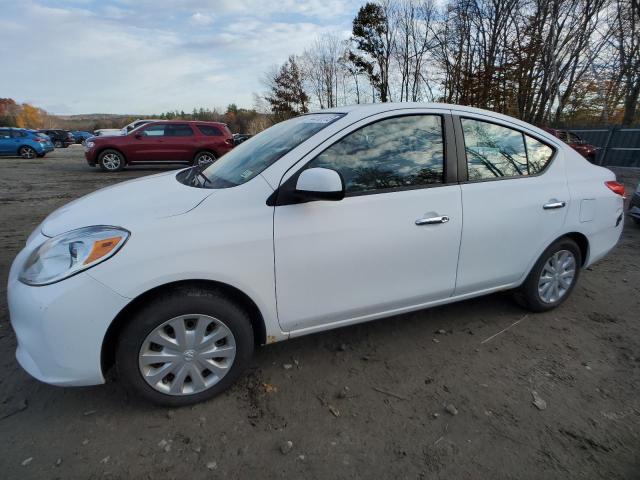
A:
[416,396]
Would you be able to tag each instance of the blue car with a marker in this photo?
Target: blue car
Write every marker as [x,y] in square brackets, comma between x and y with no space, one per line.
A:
[81,136]
[23,143]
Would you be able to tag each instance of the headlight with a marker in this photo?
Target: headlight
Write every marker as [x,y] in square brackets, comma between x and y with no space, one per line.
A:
[70,253]
[89,144]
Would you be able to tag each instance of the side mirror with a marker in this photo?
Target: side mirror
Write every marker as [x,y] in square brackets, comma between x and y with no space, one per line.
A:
[320,184]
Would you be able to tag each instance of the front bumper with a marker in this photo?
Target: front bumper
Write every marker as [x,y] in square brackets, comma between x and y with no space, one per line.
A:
[60,327]
[90,156]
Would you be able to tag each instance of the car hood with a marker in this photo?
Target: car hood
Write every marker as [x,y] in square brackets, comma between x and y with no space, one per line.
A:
[146,198]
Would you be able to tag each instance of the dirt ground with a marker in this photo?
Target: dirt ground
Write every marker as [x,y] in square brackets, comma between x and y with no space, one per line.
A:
[367,401]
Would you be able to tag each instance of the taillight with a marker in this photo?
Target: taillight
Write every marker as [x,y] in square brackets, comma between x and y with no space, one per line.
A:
[616,188]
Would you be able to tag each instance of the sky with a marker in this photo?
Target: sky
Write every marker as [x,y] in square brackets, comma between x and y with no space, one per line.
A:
[151,56]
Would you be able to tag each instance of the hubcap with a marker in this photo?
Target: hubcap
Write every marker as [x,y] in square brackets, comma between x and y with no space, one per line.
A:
[187,354]
[111,161]
[205,159]
[27,153]
[557,276]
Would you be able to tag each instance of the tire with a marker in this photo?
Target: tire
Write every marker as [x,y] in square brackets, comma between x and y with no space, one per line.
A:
[637,221]
[204,158]
[111,161]
[231,324]
[41,155]
[563,255]
[27,152]
[58,144]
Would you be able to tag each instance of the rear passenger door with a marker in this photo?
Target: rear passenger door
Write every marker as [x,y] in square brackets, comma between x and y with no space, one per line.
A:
[514,197]
[179,142]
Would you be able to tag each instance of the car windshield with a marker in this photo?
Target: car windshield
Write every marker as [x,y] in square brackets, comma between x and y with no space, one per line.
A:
[253,156]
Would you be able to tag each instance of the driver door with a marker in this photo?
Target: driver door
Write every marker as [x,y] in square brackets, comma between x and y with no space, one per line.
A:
[148,144]
[378,250]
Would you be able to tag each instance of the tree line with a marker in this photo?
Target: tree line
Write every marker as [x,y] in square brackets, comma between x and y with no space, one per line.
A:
[558,62]
[240,120]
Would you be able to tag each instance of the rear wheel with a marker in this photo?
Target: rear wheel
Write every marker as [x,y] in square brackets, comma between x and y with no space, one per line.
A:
[203,159]
[553,276]
[111,161]
[27,152]
[184,347]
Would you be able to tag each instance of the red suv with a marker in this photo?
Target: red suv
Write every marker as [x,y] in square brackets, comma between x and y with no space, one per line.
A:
[585,149]
[192,142]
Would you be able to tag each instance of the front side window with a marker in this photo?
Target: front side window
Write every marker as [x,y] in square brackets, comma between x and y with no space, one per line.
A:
[399,152]
[5,133]
[494,151]
[154,131]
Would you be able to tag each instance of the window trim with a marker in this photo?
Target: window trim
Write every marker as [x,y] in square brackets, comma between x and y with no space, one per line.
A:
[463,177]
[283,195]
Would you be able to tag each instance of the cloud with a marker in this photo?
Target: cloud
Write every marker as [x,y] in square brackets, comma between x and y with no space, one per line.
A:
[201,19]
[122,57]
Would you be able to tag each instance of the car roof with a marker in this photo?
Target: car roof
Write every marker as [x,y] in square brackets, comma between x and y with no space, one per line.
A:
[207,122]
[359,111]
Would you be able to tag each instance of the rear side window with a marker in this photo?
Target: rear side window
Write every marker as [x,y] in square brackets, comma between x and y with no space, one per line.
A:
[494,151]
[178,130]
[209,131]
[395,153]
[5,133]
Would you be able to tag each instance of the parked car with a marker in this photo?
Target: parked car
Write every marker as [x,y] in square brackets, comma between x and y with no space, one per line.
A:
[634,206]
[585,149]
[23,143]
[325,220]
[135,124]
[60,138]
[81,135]
[192,142]
[124,130]
[238,138]
[104,132]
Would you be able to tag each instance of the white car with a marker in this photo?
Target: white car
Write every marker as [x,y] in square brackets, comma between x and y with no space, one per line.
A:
[118,132]
[322,221]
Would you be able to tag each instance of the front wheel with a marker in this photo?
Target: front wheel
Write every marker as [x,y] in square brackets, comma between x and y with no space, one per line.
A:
[553,276]
[184,347]
[204,159]
[27,152]
[111,161]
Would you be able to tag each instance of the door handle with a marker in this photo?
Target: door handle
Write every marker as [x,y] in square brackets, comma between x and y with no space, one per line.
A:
[553,203]
[432,220]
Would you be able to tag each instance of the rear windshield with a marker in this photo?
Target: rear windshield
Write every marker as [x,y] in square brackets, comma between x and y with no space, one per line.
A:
[253,156]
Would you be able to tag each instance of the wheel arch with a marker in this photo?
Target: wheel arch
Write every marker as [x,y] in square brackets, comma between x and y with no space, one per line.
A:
[22,145]
[583,243]
[109,343]
[207,150]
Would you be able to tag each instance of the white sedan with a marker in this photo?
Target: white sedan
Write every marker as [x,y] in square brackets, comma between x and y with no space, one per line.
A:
[322,221]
